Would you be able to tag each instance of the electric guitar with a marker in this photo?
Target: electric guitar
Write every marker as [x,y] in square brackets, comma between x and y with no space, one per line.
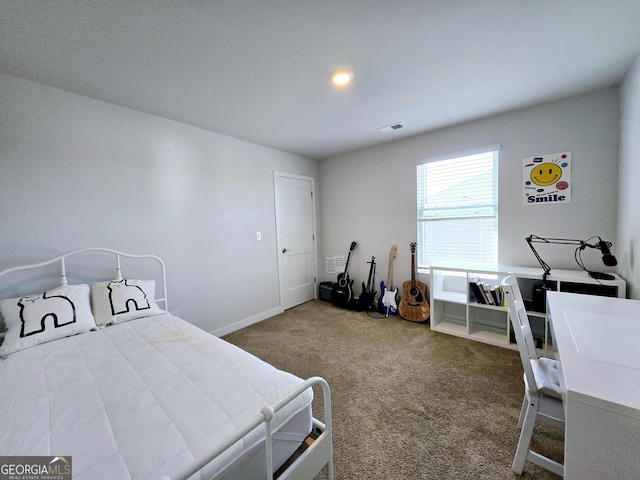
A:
[342,293]
[387,304]
[413,304]
[367,299]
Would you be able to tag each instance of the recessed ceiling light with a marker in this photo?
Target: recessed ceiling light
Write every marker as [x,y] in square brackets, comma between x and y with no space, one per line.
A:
[341,78]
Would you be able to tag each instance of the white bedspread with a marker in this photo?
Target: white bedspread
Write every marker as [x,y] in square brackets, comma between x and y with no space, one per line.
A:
[136,400]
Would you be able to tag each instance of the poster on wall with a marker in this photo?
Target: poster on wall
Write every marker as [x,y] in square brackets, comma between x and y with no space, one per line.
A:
[335,264]
[547,179]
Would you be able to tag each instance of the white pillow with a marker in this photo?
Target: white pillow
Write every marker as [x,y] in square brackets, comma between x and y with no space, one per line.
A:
[54,314]
[118,301]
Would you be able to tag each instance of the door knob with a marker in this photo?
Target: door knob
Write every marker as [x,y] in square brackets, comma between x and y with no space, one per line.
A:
[284,250]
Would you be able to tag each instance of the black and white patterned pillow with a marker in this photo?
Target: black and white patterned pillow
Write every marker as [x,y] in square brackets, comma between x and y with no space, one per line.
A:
[118,301]
[36,319]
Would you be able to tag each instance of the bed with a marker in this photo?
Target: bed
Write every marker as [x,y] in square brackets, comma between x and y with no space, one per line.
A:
[97,372]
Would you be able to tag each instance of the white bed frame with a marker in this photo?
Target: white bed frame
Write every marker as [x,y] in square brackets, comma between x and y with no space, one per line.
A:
[306,465]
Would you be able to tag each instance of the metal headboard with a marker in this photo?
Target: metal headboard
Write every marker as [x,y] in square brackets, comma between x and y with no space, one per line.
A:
[117,254]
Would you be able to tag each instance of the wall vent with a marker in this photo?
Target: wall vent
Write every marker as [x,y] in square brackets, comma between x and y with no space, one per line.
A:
[391,128]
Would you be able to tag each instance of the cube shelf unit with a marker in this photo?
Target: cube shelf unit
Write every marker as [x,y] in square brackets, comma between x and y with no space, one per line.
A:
[455,311]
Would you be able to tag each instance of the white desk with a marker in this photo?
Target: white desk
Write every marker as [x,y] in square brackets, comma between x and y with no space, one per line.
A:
[597,342]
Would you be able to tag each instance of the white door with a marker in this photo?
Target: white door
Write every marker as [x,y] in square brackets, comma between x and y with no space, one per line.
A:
[295,229]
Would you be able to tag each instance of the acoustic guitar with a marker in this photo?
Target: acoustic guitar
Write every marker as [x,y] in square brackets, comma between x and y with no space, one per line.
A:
[342,293]
[387,304]
[367,299]
[413,304]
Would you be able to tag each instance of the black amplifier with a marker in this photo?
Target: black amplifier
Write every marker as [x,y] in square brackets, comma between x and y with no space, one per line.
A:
[325,290]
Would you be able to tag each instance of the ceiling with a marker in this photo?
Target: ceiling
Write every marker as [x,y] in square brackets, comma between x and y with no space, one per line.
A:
[258,70]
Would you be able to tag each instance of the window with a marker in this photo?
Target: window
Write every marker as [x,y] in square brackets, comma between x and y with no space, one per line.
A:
[458,209]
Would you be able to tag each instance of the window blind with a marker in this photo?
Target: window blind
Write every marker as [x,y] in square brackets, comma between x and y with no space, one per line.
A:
[457,205]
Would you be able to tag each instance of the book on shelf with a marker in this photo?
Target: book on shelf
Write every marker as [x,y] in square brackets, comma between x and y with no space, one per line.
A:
[478,293]
[486,294]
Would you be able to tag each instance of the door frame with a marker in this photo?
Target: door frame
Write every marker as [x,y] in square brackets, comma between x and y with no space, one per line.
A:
[277,174]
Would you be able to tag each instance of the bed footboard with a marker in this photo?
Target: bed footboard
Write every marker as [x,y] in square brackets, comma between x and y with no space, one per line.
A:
[306,466]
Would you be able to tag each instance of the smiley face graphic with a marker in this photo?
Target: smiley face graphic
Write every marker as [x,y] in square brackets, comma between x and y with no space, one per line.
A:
[546,174]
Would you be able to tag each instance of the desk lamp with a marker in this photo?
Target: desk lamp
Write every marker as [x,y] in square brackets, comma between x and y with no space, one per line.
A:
[607,257]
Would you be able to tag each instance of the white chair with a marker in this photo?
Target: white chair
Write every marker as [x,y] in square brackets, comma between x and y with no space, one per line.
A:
[542,393]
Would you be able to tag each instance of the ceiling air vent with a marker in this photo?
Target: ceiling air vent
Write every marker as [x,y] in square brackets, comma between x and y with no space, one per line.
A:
[391,128]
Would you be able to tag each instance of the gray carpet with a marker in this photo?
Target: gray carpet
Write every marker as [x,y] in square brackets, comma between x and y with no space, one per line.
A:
[408,403]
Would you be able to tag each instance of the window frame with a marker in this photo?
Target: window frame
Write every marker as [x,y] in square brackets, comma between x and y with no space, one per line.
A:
[423,260]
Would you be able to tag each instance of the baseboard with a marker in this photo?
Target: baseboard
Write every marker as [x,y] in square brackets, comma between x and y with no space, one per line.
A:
[246,322]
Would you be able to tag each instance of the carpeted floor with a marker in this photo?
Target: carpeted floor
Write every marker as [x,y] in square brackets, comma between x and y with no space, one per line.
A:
[408,403]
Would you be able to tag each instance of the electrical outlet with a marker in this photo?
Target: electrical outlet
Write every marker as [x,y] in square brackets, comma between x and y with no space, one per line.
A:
[258,236]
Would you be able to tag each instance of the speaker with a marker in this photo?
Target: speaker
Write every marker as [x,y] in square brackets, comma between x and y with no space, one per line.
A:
[325,291]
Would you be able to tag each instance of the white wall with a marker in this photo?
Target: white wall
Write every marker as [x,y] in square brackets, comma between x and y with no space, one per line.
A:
[629,193]
[369,195]
[75,172]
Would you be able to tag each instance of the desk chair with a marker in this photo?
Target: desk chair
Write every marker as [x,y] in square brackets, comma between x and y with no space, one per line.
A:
[542,394]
